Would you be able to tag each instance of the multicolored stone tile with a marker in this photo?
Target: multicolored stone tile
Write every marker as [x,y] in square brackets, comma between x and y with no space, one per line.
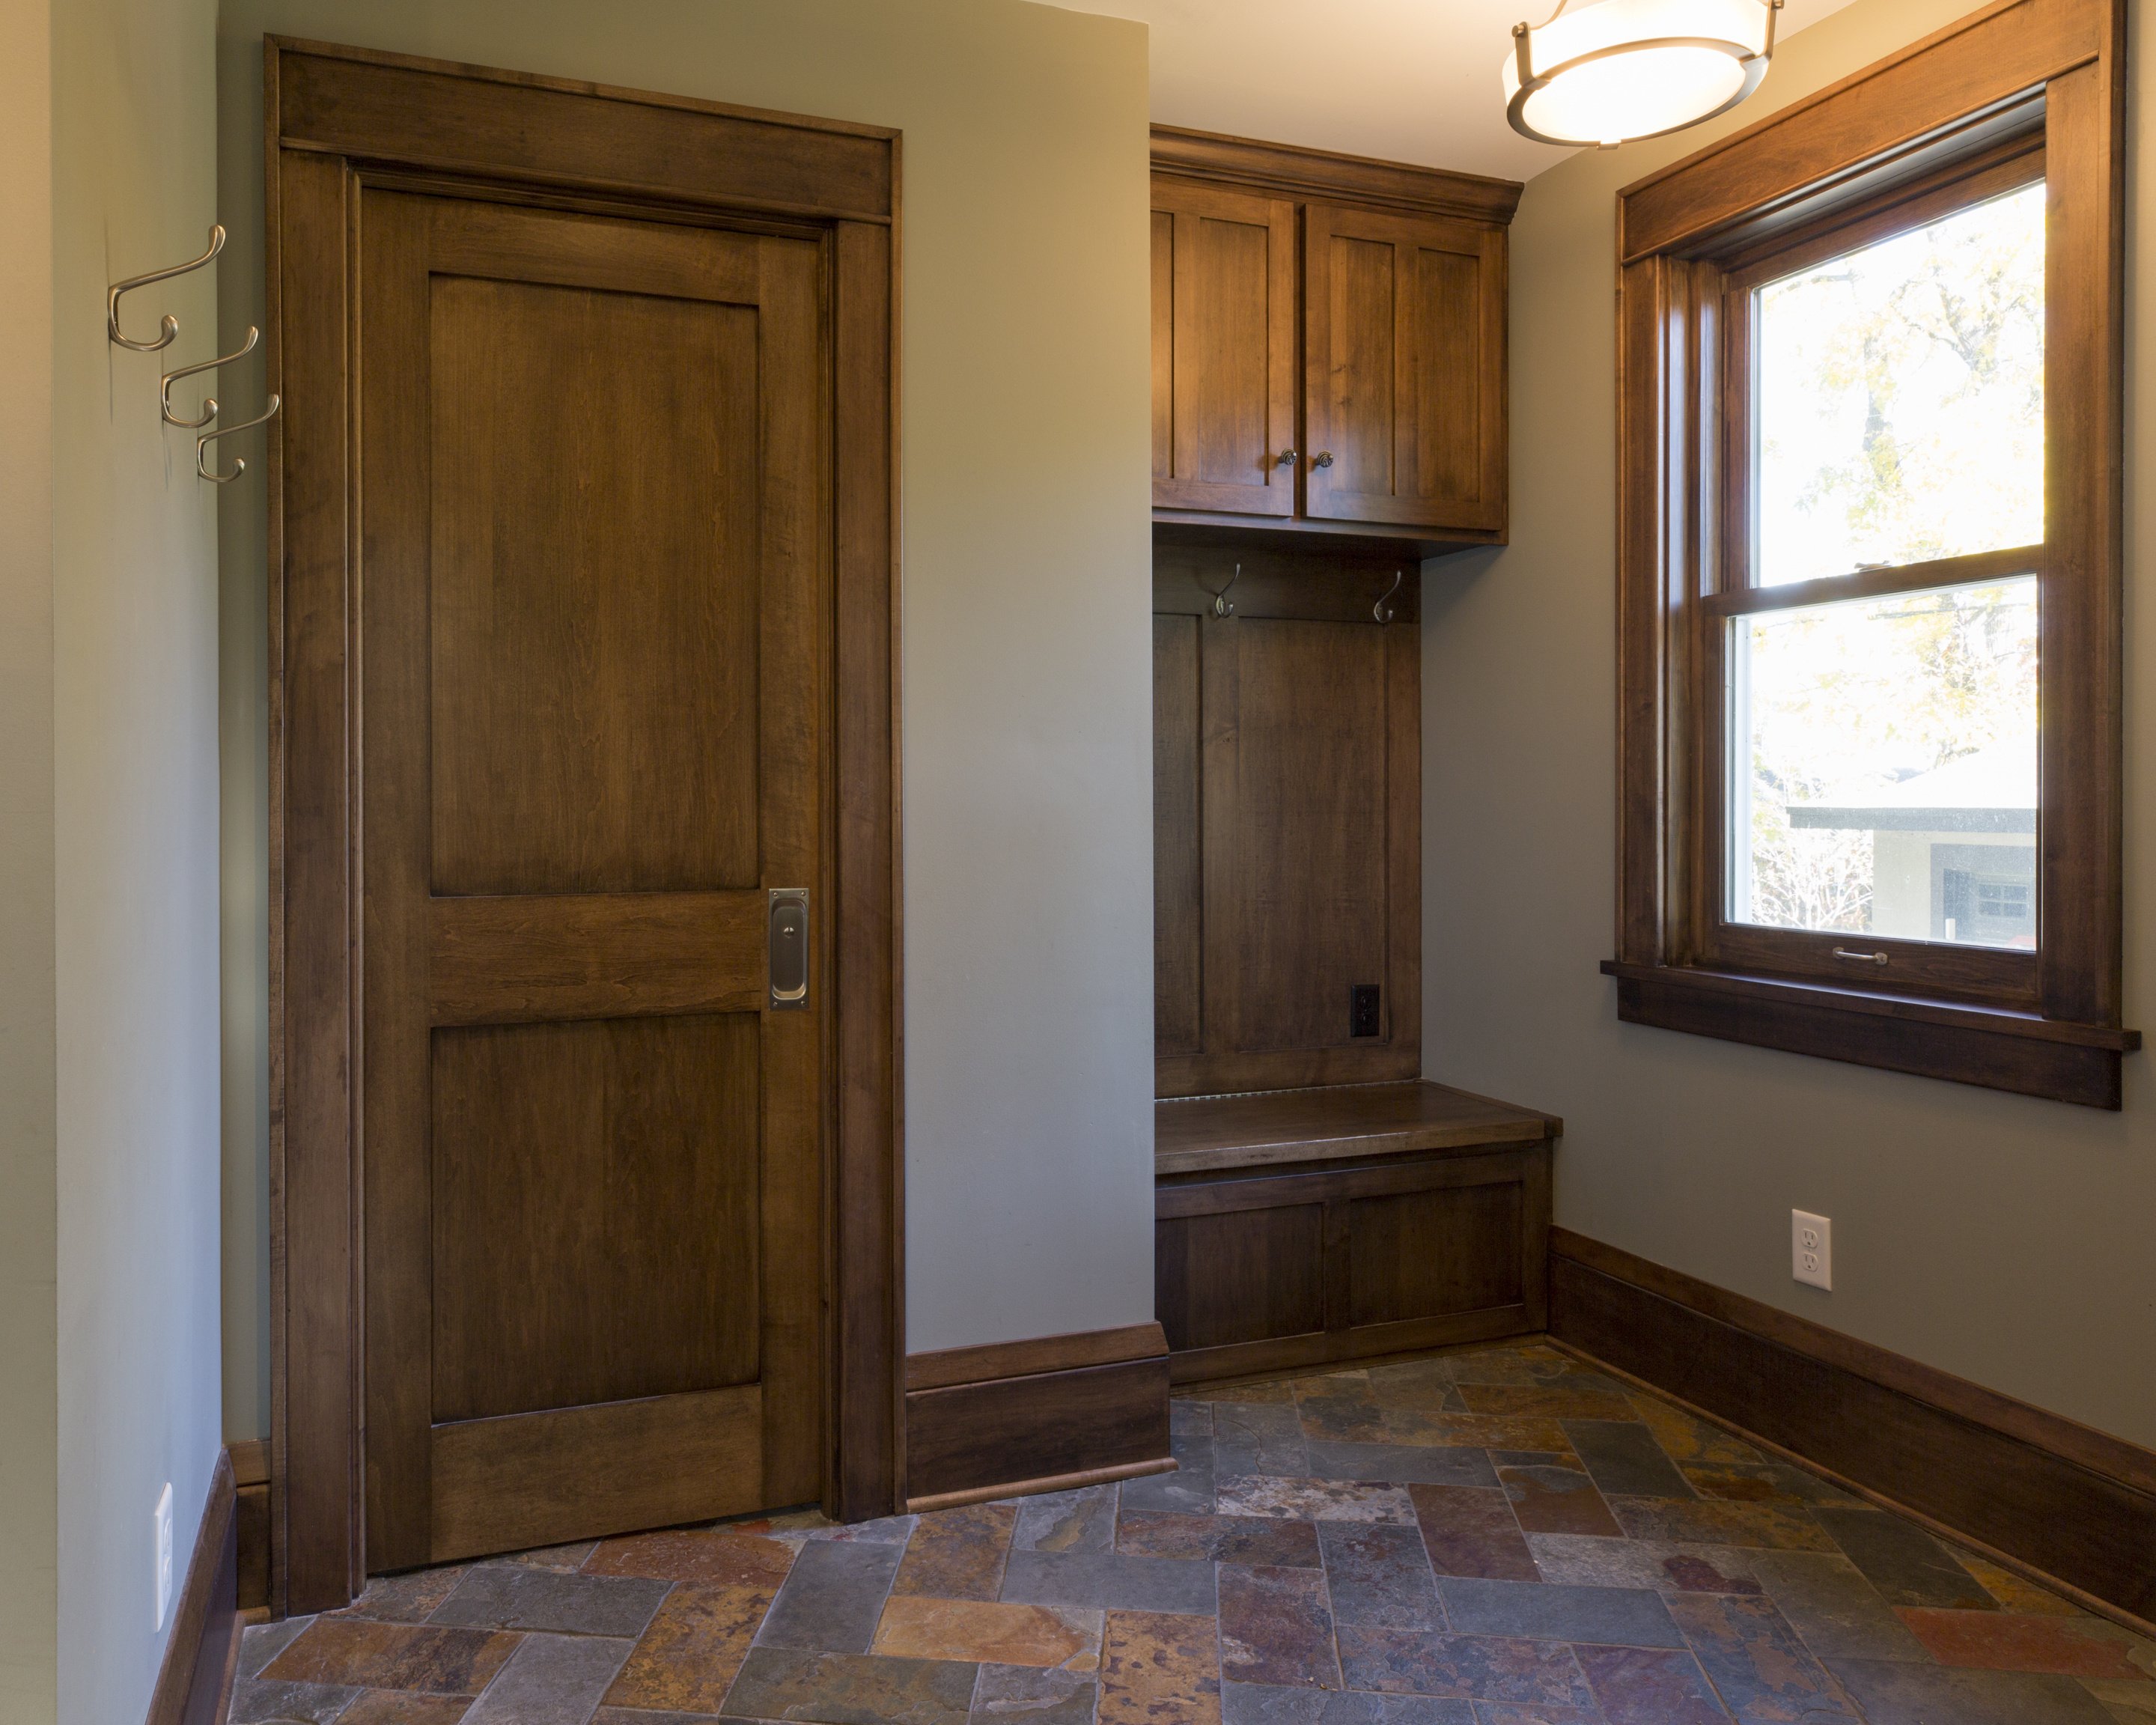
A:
[1827,1600]
[1624,1459]
[1033,1695]
[1585,1560]
[257,1701]
[365,1655]
[403,1707]
[1902,1561]
[566,1558]
[1157,1667]
[1276,1627]
[2021,1641]
[1067,1520]
[1271,1704]
[1379,1574]
[1065,1638]
[832,1597]
[1705,1521]
[1558,1399]
[516,1596]
[1759,1669]
[1478,1667]
[1219,1539]
[1686,1440]
[851,1689]
[1893,1692]
[958,1554]
[1642,1686]
[1558,1500]
[2012,1592]
[721,1557]
[1097,1580]
[687,1659]
[1314,1500]
[1633,1616]
[1763,1482]
[411,1597]
[551,1680]
[1470,1530]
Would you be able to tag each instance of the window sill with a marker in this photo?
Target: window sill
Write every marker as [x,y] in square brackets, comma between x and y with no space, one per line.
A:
[1964,1045]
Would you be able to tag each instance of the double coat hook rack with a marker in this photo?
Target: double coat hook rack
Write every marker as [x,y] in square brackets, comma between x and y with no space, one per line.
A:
[1383,612]
[168,330]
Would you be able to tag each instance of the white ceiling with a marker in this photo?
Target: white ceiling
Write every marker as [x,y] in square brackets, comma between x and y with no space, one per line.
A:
[1409,80]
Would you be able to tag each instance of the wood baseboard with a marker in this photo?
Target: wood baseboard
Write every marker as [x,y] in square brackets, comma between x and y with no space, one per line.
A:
[195,1679]
[250,1482]
[1017,1417]
[2073,1505]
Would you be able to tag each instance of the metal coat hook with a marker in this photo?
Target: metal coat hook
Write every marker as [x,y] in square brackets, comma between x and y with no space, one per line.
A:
[238,462]
[1381,611]
[209,402]
[1222,606]
[168,326]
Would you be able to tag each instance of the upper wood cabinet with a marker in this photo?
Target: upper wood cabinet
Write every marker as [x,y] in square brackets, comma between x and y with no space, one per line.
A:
[1329,342]
[1224,351]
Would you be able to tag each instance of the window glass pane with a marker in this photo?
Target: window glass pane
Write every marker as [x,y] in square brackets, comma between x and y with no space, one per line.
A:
[1900,398]
[1883,766]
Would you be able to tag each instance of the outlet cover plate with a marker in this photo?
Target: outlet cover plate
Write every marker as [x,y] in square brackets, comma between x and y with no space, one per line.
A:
[161,1534]
[1811,1250]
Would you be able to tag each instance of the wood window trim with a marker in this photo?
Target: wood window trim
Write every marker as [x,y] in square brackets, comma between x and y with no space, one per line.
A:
[335,116]
[1964,108]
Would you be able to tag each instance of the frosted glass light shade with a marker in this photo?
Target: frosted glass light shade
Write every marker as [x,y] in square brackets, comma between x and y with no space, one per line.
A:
[1633,68]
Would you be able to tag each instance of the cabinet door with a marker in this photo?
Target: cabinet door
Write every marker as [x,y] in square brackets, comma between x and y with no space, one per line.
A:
[1403,337]
[1223,349]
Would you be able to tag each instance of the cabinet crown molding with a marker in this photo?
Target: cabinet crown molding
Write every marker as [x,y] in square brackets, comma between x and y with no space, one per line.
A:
[1328,175]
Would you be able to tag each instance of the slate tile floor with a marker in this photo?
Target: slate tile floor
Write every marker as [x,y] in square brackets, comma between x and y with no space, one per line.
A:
[1504,1537]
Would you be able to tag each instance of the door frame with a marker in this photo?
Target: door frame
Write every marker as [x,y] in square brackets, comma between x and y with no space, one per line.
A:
[338,119]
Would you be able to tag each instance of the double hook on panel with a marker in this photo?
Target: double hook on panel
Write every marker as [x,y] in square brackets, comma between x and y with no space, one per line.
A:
[1381,611]
[168,328]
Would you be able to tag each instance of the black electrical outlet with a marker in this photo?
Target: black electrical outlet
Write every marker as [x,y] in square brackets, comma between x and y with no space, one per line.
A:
[1365,1014]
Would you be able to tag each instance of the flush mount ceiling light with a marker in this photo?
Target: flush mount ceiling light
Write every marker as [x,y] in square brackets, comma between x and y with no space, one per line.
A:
[1619,69]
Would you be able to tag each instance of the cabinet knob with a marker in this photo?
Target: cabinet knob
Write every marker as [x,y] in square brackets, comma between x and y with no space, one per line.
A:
[1286,458]
[1323,458]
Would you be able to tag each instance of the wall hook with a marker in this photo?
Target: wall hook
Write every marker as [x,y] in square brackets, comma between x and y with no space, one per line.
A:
[209,402]
[1381,611]
[1222,606]
[238,462]
[168,326]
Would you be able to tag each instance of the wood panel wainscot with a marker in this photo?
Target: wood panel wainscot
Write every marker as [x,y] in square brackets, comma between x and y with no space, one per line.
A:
[2046,1495]
[1297,1228]
[1049,1414]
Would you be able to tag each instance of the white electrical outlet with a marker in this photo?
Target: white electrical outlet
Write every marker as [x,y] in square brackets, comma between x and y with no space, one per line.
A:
[163,1535]
[1811,1249]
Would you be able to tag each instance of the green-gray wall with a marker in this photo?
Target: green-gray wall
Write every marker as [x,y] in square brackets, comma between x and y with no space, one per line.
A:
[108,1154]
[1026,679]
[1999,1238]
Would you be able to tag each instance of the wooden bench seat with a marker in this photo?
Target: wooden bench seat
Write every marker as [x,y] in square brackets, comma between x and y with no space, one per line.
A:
[1310,1227]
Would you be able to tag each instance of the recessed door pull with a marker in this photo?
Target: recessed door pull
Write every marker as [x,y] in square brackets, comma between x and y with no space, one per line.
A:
[1859,957]
[789,956]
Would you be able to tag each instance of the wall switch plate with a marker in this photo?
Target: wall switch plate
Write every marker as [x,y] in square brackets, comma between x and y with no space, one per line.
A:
[1365,1010]
[161,1532]
[1811,1249]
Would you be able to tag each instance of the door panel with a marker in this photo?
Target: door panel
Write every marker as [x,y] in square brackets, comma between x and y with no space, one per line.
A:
[596,699]
[1224,349]
[594,690]
[1404,384]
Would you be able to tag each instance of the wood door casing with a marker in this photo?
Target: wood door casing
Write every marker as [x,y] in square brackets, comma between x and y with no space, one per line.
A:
[1286,839]
[1223,354]
[596,697]
[1404,334]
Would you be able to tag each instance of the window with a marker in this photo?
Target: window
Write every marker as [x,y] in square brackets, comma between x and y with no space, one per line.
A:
[1871,389]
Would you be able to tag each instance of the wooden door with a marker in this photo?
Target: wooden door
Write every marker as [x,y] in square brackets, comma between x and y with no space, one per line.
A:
[1223,349]
[596,737]
[1404,385]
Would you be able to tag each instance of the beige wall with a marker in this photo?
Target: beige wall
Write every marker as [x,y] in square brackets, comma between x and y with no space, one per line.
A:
[109,1329]
[2003,1238]
[1026,661]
